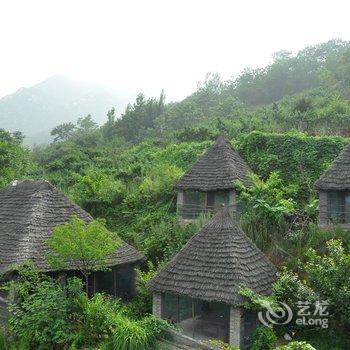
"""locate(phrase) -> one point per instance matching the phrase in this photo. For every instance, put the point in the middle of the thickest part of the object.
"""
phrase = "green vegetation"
(47, 315)
(288, 121)
(85, 245)
(264, 338)
(297, 345)
(14, 159)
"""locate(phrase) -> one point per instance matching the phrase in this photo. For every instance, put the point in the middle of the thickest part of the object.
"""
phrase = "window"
(339, 207)
(222, 198)
(197, 318)
(193, 204)
(347, 208)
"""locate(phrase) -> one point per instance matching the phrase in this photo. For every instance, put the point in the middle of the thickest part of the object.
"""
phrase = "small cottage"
(334, 192)
(198, 289)
(29, 211)
(209, 184)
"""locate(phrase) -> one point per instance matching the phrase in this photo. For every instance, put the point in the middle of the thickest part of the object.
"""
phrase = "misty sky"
(152, 45)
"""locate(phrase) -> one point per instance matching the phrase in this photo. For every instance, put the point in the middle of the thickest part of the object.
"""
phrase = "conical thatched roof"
(217, 169)
(337, 177)
(29, 211)
(214, 263)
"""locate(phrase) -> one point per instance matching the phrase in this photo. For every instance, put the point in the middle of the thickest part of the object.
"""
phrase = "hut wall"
(233, 203)
(334, 209)
(235, 326)
(180, 198)
(157, 305)
(3, 306)
(323, 209)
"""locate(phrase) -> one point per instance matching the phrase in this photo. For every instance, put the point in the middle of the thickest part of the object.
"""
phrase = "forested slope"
(288, 121)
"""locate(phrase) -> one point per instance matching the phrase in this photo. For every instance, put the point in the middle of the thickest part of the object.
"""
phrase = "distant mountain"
(37, 109)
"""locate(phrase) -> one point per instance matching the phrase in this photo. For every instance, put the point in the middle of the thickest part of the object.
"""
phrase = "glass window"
(347, 208)
(336, 206)
(104, 282)
(125, 281)
(222, 198)
(193, 204)
(196, 318)
(170, 307)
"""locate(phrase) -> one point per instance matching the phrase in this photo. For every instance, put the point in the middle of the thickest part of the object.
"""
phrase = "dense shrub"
(264, 338)
(297, 345)
(141, 304)
(135, 335)
(47, 315)
(299, 159)
(40, 314)
(329, 276)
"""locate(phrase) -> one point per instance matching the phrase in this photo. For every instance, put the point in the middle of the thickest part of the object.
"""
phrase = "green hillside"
(288, 120)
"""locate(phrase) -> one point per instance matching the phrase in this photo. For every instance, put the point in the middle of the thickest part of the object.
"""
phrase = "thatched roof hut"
(211, 267)
(29, 211)
(210, 181)
(214, 263)
(334, 192)
(217, 169)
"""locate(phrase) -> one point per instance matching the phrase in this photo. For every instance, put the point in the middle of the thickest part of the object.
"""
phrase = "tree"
(15, 160)
(109, 129)
(63, 131)
(138, 121)
(329, 275)
(86, 123)
(86, 246)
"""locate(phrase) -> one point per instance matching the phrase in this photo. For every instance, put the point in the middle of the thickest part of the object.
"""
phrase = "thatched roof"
(214, 263)
(337, 177)
(217, 169)
(29, 211)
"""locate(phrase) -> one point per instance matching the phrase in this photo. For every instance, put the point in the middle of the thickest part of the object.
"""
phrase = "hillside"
(36, 110)
(289, 125)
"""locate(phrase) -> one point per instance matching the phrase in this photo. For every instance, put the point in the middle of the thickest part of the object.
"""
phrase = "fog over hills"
(37, 109)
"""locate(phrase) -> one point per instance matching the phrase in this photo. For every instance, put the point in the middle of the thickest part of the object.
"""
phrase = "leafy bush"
(297, 345)
(48, 315)
(96, 319)
(329, 276)
(40, 314)
(264, 338)
(220, 345)
(135, 335)
(267, 206)
(141, 304)
(299, 159)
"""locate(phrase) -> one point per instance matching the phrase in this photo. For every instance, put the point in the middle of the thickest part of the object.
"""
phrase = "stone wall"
(233, 203)
(323, 209)
(157, 305)
(236, 333)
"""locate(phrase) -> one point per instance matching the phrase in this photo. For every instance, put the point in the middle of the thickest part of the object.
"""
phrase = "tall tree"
(63, 131)
(86, 246)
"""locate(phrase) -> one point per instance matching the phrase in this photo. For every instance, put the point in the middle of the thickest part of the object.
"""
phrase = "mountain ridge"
(36, 110)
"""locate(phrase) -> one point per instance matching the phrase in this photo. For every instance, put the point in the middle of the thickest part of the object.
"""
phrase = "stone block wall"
(323, 209)
(236, 326)
(157, 305)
